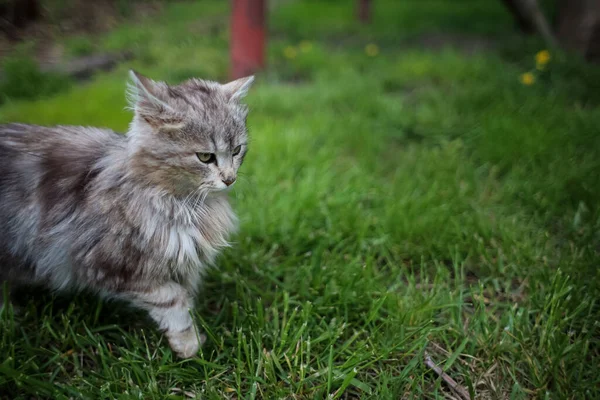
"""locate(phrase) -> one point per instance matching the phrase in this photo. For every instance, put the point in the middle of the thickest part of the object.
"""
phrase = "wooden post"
(248, 36)
(364, 11)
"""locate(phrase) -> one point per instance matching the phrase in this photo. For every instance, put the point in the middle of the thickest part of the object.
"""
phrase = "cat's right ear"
(237, 90)
(145, 96)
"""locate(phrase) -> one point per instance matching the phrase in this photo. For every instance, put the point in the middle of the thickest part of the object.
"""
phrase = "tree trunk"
(528, 13)
(523, 21)
(578, 27)
(15, 14)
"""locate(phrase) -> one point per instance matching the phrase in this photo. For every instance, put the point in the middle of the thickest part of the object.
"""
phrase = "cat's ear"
(145, 96)
(236, 90)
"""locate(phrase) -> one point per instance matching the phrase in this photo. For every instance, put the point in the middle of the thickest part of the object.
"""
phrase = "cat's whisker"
(184, 206)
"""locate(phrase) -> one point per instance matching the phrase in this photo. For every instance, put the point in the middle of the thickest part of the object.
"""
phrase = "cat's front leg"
(169, 305)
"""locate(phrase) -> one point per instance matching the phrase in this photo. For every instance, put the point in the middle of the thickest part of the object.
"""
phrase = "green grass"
(416, 201)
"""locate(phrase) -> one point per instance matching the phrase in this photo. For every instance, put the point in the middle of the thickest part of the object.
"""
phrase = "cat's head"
(189, 138)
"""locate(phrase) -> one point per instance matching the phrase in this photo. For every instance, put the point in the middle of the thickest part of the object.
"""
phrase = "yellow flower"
(542, 57)
(527, 79)
(372, 49)
(290, 52)
(305, 46)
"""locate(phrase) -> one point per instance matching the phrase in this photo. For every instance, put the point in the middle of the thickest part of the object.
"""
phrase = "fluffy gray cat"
(134, 217)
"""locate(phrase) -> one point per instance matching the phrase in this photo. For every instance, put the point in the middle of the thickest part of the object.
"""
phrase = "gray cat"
(134, 217)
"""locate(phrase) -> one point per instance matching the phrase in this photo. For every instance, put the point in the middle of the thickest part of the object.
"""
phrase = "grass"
(421, 200)
(23, 79)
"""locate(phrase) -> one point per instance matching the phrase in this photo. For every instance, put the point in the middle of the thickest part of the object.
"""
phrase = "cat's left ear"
(237, 90)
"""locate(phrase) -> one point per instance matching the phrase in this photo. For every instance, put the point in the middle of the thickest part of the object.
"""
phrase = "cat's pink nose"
(229, 181)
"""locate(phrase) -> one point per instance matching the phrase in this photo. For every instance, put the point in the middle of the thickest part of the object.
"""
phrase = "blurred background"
(423, 187)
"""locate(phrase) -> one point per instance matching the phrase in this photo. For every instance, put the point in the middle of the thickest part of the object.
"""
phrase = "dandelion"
(372, 49)
(542, 57)
(290, 52)
(527, 79)
(305, 46)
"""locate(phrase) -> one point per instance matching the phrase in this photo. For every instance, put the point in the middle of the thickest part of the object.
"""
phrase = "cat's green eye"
(206, 157)
(237, 150)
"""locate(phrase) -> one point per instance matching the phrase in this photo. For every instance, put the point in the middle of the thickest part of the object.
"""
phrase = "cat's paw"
(187, 343)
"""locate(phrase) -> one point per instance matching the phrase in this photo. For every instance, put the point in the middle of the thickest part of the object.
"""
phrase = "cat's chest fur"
(198, 233)
(183, 238)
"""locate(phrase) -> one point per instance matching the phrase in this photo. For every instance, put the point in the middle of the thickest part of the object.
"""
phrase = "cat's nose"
(228, 181)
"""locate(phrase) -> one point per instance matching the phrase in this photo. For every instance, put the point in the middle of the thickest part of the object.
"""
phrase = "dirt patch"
(84, 67)
(42, 36)
(467, 44)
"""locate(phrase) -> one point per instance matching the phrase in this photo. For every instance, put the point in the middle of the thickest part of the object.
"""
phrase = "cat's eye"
(237, 150)
(206, 157)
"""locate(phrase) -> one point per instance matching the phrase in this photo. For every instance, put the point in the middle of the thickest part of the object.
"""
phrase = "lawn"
(403, 196)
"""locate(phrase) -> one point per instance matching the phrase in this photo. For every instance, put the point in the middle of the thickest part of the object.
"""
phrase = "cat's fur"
(134, 217)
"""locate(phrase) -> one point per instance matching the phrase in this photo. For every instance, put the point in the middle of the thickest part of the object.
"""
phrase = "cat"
(135, 217)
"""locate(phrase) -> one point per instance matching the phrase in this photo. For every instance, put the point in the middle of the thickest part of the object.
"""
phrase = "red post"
(248, 35)
(364, 11)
